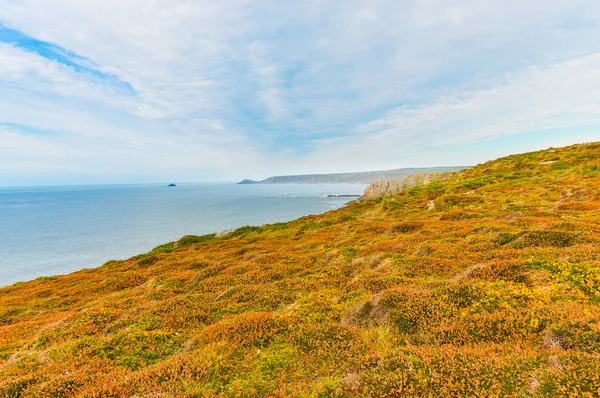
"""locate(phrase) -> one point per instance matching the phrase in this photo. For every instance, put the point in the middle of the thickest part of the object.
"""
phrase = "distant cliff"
(390, 187)
(366, 177)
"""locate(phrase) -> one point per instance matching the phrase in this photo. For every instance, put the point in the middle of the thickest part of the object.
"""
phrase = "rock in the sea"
(171, 185)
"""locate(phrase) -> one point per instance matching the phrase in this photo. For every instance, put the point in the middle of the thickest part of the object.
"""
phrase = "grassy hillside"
(485, 284)
(366, 177)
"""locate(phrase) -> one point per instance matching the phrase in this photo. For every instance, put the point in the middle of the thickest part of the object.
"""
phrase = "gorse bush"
(511, 271)
(449, 201)
(484, 284)
(550, 238)
(583, 277)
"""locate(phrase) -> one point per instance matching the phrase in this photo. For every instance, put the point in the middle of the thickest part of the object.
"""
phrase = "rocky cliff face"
(383, 188)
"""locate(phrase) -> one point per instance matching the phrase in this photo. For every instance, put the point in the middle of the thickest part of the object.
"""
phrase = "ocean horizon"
(53, 230)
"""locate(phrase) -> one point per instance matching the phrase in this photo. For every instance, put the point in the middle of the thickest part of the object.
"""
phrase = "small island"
(171, 185)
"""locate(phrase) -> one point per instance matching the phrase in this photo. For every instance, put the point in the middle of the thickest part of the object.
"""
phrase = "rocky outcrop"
(384, 188)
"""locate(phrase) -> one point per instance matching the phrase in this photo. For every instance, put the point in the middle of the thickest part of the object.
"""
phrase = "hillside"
(366, 177)
(483, 284)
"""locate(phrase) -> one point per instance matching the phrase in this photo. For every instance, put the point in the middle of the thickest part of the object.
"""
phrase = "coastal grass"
(484, 284)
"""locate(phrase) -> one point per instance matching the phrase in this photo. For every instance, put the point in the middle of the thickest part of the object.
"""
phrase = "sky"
(113, 91)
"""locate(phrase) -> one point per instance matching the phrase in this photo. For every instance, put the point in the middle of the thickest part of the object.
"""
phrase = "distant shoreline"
(367, 177)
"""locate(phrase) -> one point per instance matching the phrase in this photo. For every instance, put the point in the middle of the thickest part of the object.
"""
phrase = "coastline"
(120, 222)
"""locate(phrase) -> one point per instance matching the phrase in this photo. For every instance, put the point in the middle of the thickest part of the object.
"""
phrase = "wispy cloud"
(229, 89)
(55, 53)
(561, 95)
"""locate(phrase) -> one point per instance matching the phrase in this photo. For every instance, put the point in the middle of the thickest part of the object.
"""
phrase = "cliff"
(391, 187)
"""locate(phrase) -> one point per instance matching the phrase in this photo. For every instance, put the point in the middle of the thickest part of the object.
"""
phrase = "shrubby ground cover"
(485, 284)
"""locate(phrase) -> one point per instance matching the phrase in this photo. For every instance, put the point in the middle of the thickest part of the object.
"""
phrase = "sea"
(48, 231)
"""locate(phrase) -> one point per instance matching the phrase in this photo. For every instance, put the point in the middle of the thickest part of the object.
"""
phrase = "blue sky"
(107, 91)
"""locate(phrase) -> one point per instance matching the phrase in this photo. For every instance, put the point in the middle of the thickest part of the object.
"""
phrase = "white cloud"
(33, 73)
(560, 96)
(224, 86)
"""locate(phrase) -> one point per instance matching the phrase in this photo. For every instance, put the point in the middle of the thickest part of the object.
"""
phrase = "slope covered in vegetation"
(484, 284)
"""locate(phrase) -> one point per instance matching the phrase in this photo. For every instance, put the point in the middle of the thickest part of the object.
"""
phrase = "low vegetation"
(484, 284)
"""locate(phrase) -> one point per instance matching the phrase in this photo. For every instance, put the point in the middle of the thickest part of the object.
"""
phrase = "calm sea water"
(56, 230)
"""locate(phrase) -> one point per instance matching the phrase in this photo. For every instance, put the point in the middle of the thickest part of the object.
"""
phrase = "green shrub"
(134, 349)
(463, 295)
(510, 271)
(449, 201)
(413, 310)
(243, 231)
(583, 277)
(407, 227)
(549, 238)
(191, 239)
(147, 261)
(506, 238)
(579, 335)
